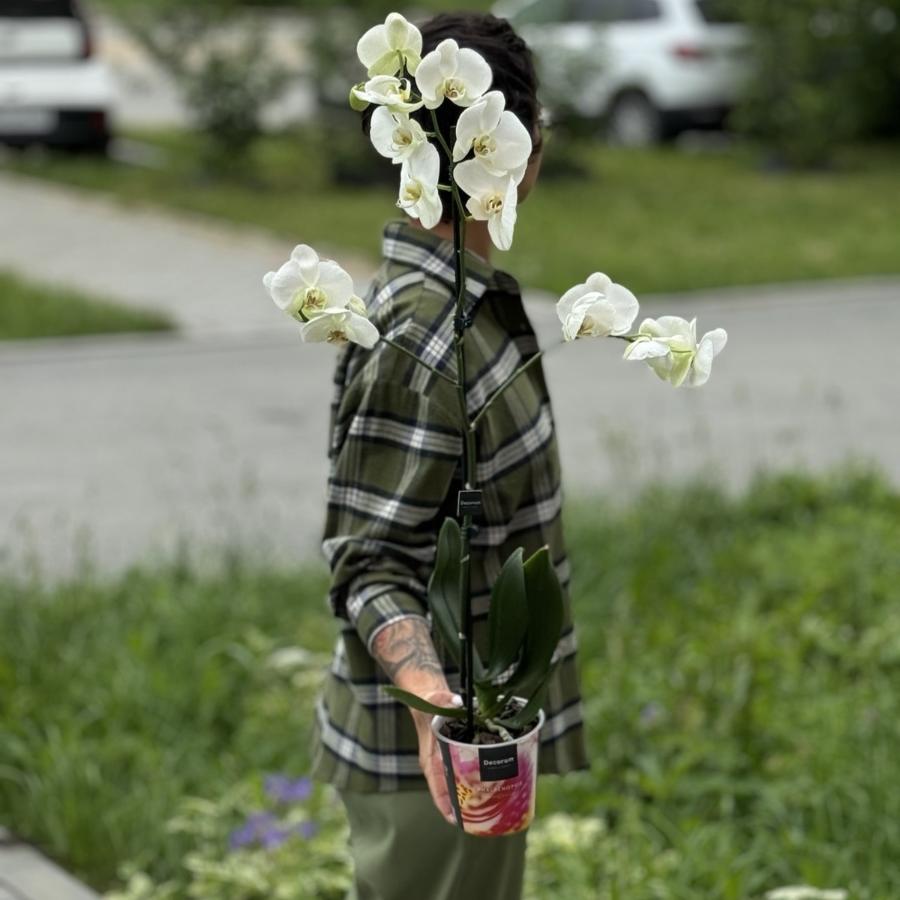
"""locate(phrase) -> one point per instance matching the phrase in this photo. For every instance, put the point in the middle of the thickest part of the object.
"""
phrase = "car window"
(719, 10)
(542, 12)
(38, 9)
(614, 10)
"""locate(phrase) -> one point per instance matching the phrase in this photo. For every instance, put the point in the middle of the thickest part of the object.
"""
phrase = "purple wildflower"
(255, 825)
(287, 790)
(307, 829)
(274, 837)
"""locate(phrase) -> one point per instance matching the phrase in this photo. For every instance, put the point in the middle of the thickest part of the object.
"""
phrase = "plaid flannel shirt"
(395, 467)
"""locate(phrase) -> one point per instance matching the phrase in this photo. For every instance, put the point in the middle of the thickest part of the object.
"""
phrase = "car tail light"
(691, 51)
(87, 46)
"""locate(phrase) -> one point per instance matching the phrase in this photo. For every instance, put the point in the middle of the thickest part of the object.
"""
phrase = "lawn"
(739, 659)
(30, 310)
(656, 220)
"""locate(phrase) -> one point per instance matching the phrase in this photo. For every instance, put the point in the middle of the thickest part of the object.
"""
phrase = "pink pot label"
(493, 786)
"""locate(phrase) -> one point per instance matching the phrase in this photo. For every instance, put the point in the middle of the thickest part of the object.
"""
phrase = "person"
(395, 469)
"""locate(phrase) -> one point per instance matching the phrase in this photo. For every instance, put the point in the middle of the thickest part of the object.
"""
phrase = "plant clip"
(461, 323)
(468, 502)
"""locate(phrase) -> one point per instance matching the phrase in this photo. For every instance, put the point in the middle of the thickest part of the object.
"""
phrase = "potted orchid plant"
(490, 744)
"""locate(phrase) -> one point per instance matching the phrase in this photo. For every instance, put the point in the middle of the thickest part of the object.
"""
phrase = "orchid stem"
(496, 395)
(421, 362)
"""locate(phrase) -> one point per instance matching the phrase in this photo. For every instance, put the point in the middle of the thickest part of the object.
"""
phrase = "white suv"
(52, 88)
(648, 68)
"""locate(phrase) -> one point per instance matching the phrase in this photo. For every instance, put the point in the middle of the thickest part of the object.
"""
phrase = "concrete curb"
(26, 874)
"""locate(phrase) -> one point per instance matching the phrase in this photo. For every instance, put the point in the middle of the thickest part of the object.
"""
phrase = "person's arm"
(405, 652)
(397, 453)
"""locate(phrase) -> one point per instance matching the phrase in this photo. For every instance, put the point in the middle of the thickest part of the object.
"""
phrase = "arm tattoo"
(406, 646)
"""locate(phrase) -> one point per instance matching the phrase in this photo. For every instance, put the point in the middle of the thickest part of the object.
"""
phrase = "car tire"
(634, 121)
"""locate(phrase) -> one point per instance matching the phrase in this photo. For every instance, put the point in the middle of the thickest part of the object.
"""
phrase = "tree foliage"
(217, 53)
(827, 72)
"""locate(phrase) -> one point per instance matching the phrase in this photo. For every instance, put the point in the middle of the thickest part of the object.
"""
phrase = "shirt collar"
(420, 249)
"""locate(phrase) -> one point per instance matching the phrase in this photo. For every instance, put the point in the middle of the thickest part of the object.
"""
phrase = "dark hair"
(510, 59)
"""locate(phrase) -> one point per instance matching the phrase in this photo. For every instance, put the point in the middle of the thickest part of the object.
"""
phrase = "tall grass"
(740, 661)
(32, 310)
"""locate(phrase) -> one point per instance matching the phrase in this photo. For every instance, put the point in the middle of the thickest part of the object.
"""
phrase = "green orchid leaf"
(530, 710)
(490, 701)
(451, 712)
(443, 587)
(545, 621)
(444, 594)
(507, 617)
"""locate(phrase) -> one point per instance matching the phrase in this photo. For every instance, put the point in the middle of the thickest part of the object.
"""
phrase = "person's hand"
(430, 754)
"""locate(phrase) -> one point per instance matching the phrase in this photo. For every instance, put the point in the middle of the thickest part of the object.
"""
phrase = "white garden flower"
(460, 75)
(419, 195)
(492, 198)
(669, 345)
(387, 90)
(340, 326)
(597, 308)
(305, 285)
(804, 892)
(385, 49)
(501, 142)
(395, 135)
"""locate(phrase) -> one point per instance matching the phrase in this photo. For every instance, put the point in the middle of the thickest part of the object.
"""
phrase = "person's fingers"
(430, 759)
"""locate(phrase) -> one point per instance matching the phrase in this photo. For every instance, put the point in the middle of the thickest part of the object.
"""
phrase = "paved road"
(205, 275)
(116, 449)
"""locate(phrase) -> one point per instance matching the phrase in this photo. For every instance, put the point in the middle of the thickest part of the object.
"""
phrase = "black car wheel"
(634, 121)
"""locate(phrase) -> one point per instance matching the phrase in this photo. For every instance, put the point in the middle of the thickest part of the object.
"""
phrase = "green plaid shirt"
(395, 468)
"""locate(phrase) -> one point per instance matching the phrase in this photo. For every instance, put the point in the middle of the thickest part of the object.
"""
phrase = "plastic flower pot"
(492, 786)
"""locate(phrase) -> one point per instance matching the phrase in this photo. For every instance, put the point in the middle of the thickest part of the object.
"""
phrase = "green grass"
(739, 658)
(29, 310)
(656, 220)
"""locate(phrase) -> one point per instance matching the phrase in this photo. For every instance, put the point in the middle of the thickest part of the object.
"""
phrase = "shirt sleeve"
(395, 456)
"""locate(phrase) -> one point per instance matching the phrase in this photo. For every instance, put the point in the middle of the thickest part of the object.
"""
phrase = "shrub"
(826, 72)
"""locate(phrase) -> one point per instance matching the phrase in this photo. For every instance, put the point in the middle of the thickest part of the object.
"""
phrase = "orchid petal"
(429, 78)
(566, 303)
(381, 131)
(335, 283)
(308, 262)
(625, 308)
(645, 348)
(284, 284)
(472, 178)
(472, 69)
(502, 226)
(514, 145)
(372, 46)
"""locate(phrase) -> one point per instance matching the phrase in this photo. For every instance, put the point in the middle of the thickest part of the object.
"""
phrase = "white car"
(647, 68)
(53, 90)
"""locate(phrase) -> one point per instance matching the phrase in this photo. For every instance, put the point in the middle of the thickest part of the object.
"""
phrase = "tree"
(217, 53)
(827, 72)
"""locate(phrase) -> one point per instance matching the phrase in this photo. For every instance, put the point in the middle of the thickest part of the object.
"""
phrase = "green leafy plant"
(524, 625)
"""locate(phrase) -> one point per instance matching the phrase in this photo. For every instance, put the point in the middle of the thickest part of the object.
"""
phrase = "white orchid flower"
(501, 142)
(669, 345)
(492, 198)
(419, 195)
(387, 90)
(340, 326)
(305, 286)
(395, 135)
(386, 49)
(597, 308)
(460, 75)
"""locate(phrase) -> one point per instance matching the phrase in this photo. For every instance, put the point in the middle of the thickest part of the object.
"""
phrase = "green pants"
(403, 850)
